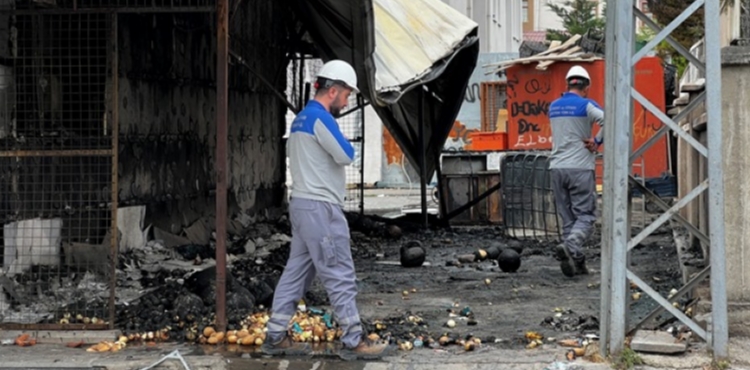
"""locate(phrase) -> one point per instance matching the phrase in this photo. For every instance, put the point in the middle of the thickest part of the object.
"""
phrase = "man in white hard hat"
(572, 164)
(318, 155)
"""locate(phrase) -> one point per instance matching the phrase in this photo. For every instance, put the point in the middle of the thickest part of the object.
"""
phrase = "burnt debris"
(412, 254)
(509, 260)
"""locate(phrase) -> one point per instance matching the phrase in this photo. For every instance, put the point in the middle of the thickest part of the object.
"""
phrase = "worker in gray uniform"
(572, 164)
(318, 154)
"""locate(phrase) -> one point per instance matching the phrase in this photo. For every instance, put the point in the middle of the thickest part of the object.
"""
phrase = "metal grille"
(352, 125)
(300, 78)
(56, 172)
(95, 4)
(493, 99)
(529, 209)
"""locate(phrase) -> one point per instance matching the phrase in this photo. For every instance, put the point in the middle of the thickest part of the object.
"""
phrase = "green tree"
(578, 17)
(687, 34)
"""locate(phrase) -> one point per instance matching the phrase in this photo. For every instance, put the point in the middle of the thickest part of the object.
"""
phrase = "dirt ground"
(537, 297)
(497, 307)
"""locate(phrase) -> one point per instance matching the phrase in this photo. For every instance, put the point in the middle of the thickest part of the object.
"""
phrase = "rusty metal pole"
(222, 97)
(115, 134)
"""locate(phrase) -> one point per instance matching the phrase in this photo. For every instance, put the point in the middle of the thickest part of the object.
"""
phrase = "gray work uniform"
(573, 167)
(318, 154)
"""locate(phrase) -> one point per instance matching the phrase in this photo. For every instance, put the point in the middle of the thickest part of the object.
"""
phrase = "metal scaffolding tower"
(621, 59)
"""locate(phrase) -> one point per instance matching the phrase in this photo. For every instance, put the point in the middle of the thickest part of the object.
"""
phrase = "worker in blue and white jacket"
(573, 164)
(318, 155)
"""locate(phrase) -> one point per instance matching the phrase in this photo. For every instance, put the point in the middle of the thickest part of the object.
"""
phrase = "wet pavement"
(228, 357)
(138, 357)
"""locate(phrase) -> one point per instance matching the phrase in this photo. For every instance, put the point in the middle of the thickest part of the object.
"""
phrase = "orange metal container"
(530, 92)
(481, 141)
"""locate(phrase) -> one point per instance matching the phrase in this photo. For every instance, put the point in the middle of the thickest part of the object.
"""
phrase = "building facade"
(500, 26)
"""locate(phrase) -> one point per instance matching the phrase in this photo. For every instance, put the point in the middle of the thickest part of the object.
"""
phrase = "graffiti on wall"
(458, 138)
(473, 94)
(531, 91)
(529, 111)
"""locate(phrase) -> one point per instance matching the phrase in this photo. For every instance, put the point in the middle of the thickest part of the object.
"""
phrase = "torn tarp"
(397, 47)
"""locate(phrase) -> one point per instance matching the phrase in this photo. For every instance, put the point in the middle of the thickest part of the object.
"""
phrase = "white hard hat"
(577, 71)
(339, 70)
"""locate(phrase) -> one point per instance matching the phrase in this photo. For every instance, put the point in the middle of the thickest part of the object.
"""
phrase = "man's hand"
(591, 145)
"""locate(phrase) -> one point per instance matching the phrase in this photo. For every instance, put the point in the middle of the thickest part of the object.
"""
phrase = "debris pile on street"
(448, 289)
(568, 321)
(107, 346)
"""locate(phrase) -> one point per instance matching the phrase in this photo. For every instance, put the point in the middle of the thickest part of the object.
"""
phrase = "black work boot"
(366, 350)
(567, 265)
(286, 347)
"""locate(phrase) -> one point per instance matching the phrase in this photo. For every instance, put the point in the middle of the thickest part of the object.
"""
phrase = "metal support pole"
(616, 168)
(437, 155)
(115, 132)
(606, 253)
(422, 161)
(222, 97)
(361, 103)
(719, 335)
(306, 96)
(621, 59)
(302, 99)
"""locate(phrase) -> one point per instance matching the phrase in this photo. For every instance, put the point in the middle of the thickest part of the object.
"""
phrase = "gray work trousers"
(575, 198)
(320, 244)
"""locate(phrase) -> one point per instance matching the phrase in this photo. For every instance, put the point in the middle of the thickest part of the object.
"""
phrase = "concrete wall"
(167, 100)
(544, 18)
(736, 113)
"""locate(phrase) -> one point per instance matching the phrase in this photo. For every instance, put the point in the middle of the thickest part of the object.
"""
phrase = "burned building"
(75, 72)
(115, 114)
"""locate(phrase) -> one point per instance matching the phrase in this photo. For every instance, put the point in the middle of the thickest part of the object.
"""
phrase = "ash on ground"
(162, 287)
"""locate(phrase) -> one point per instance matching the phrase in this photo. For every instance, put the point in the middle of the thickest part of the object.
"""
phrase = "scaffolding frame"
(616, 234)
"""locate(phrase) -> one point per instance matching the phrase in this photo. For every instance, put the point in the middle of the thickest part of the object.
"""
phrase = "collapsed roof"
(400, 48)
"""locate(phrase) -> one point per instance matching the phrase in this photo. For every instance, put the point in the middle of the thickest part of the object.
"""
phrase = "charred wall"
(167, 110)
(53, 100)
(57, 97)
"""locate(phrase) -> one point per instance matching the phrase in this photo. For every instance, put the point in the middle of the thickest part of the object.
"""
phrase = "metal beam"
(666, 305)
(360, 106)
(616, 237)
(606, 253)
(115, 195)
(676, 45)
(222, 134)
(262, 79)
(668, 214)
(719, 335)
(664, 129)
(692, 283)
(617, 167)
(669, 122)
(667, 30)
(57, 153)
(118, 10)
(665, 207)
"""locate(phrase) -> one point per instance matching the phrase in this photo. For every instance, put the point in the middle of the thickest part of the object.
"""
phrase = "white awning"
(411, 36)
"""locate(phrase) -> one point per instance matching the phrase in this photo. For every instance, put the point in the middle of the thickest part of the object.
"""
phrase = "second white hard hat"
(339, 70)
(577, 71)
